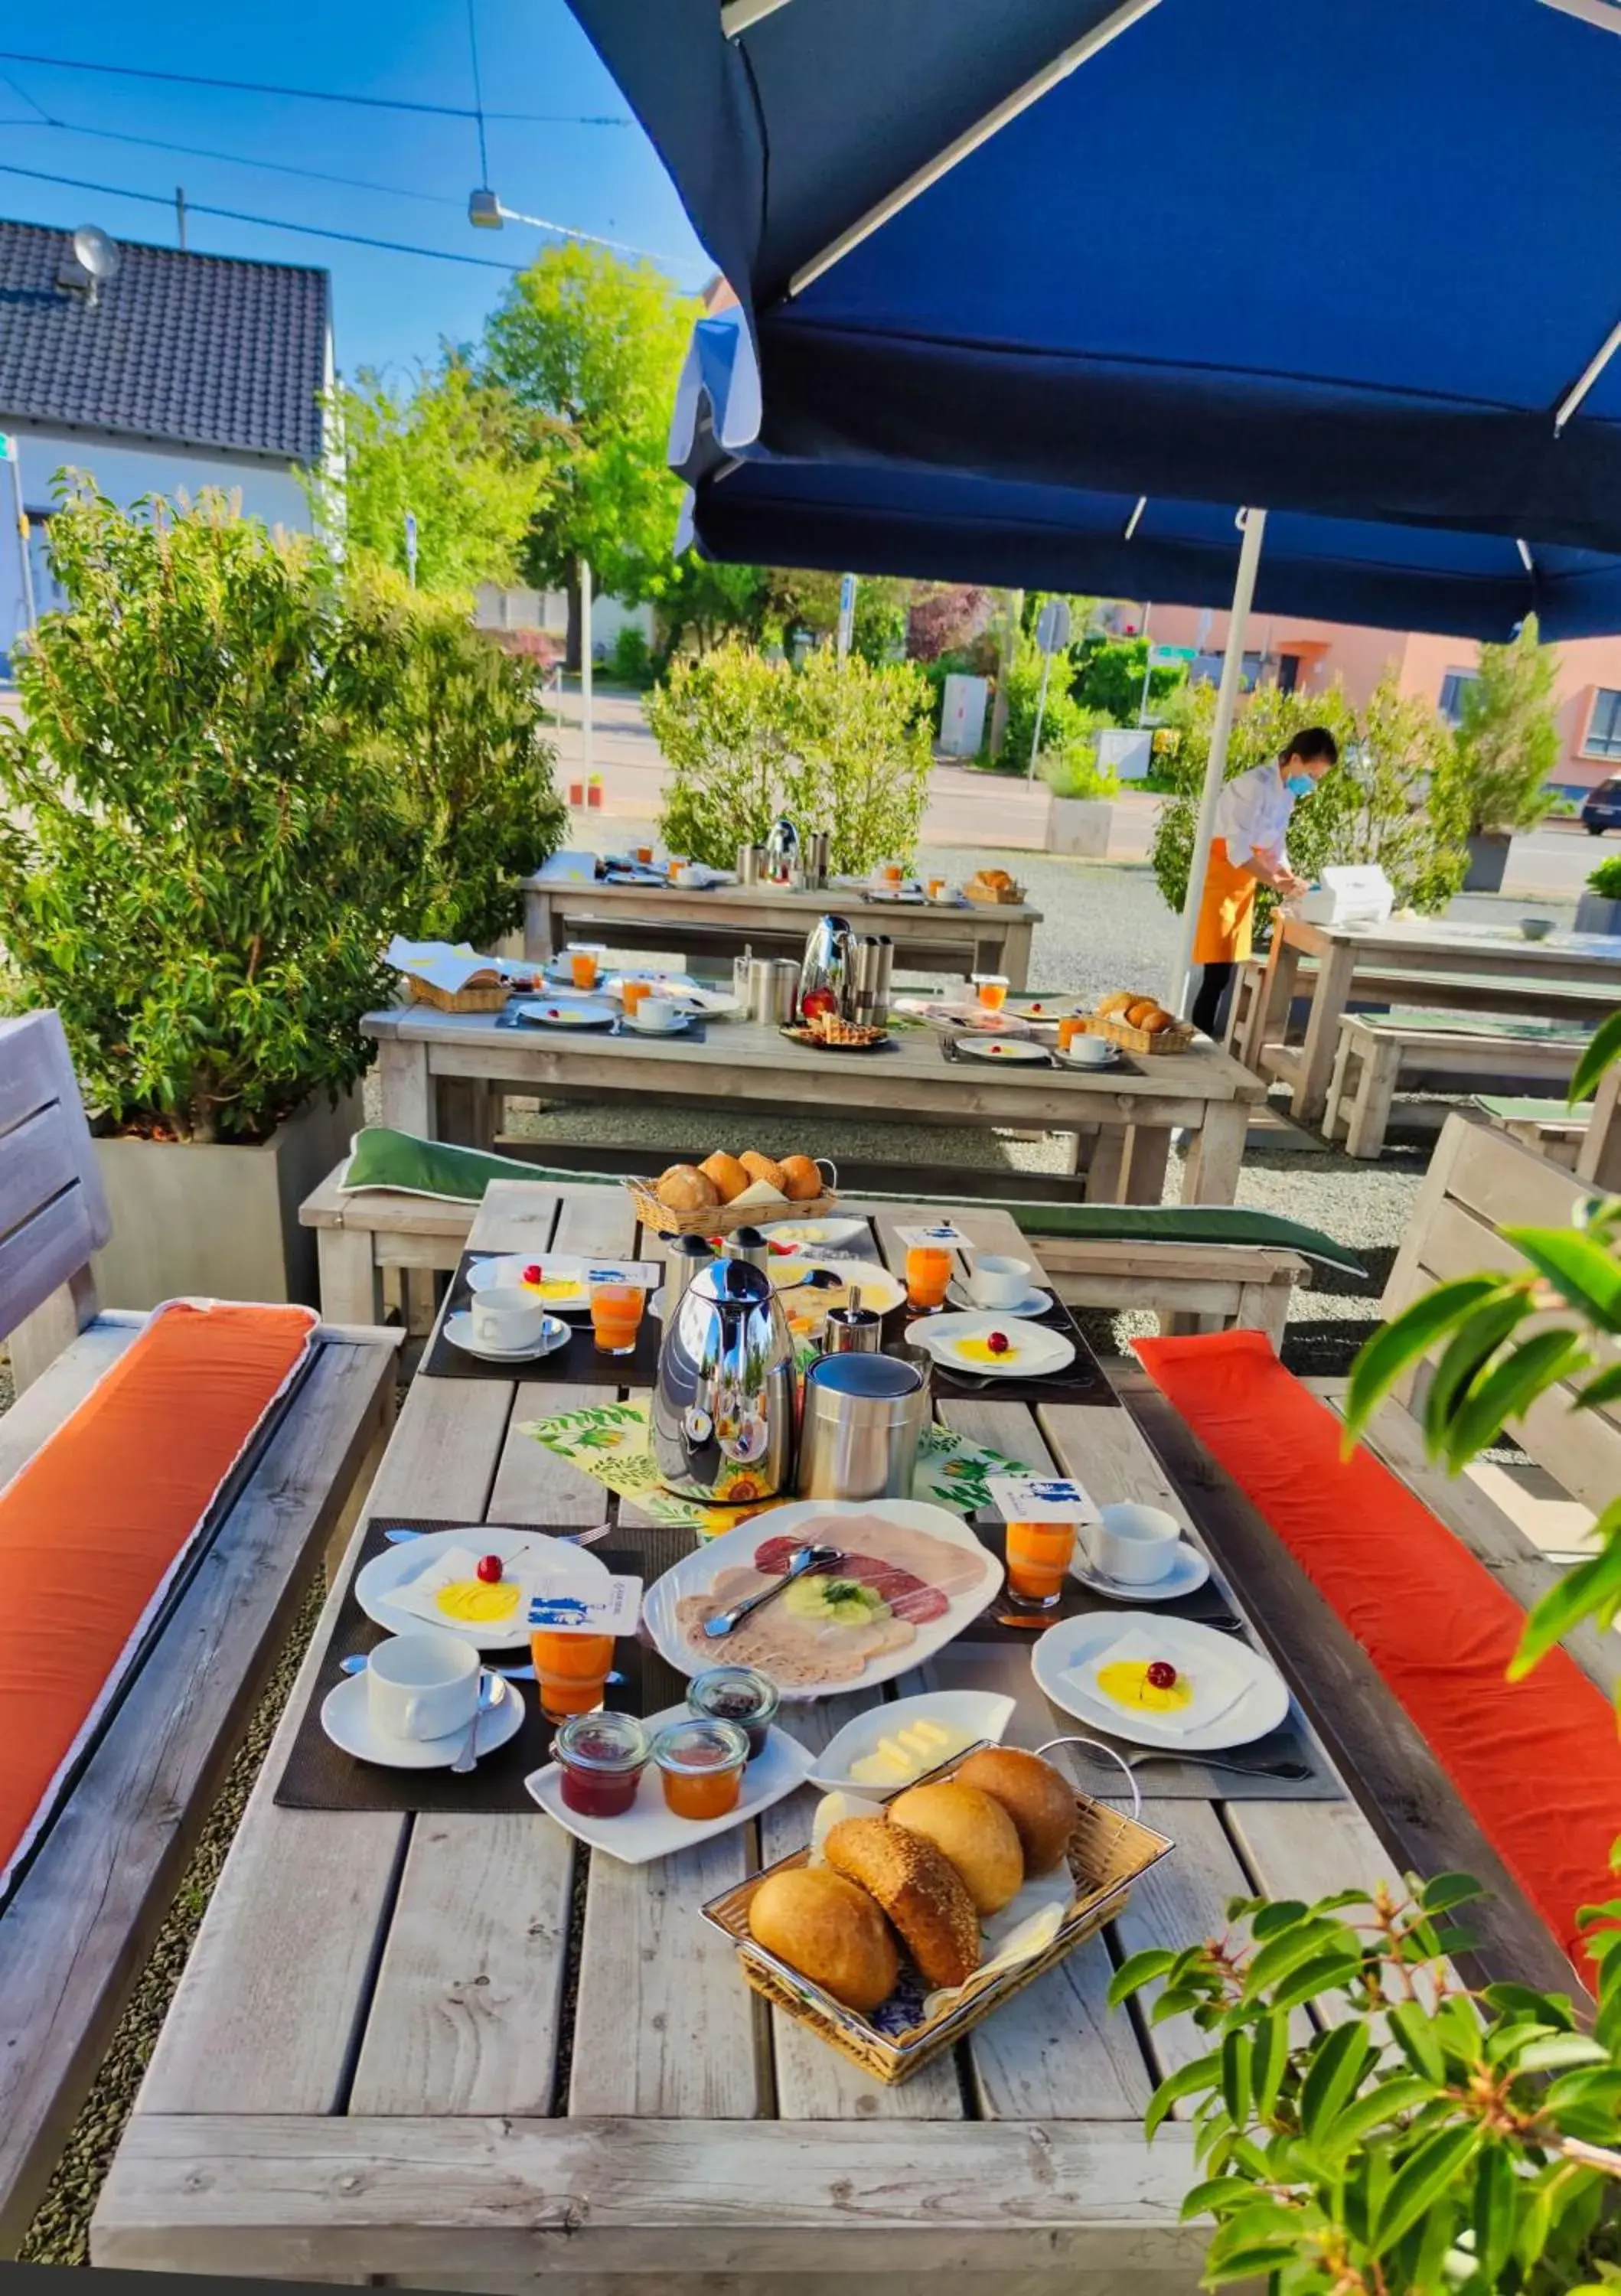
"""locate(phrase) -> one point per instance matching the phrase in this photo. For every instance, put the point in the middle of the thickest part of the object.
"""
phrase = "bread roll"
(1038, 1799)
(1139, 1013)
(1119, 1001)
(921, 1892)
(801, 1179)
(765, 1169)
(728, 1175)
(830, 1931)
(1157, 1023)
(973, 1831)
(683, 1188)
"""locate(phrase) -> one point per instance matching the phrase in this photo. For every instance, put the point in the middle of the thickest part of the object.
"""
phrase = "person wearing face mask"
(1247, 850)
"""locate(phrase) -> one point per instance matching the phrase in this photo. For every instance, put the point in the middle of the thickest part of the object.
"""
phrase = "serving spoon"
(802, 1560)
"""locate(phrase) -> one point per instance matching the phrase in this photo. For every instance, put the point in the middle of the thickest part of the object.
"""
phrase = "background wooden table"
(772, 920)
(437, 1069)
(462, 2053)
(1341, 950)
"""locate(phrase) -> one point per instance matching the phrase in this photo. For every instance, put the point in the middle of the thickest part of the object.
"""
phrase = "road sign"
(1053, 626)
(411, 545)
(1168, 657)
(8, 448)
(846, 613)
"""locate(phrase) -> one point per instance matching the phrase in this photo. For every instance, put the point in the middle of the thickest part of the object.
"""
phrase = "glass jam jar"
(701, 1765)
(601, 1756)
(736, 1694)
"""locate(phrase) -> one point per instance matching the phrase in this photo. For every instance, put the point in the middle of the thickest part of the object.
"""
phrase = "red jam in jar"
(701, 1765)
(601, 1756)
(736, 1694)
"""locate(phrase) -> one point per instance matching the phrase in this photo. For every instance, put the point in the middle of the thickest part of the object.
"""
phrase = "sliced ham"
(908, 1596)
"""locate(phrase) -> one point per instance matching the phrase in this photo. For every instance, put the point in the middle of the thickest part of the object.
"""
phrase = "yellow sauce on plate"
(981, 1351)
(473, 1602)
(1128, 1683)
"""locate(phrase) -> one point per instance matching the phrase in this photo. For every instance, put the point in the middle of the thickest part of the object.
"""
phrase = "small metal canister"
(784, 991)
(862, 1418)
(748, 865)
(762, 988)
(740, 967)
(860, 995)
(685, 1255)
(748, 1245)
(883, 973)
(818, 847)
(852, 1332)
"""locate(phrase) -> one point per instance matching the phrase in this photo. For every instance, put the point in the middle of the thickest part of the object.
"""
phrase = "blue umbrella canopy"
(1350, 260)
(870, 519)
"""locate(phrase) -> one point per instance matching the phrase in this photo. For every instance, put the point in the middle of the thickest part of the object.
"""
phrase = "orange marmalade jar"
(701, 1765)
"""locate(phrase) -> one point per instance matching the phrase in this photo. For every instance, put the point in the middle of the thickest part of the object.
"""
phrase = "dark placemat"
(839, 1051)
(949, 1053)
(694, 1033)
(319, 1776)
(1082, 1382)
(580, 1363)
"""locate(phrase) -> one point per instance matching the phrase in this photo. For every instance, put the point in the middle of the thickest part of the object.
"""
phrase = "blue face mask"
(1299, 784)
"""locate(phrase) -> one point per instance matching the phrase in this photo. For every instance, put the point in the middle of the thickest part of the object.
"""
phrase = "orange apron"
(1226, 912)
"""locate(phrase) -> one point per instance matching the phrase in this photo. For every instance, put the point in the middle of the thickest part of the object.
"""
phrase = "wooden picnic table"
(458, 2051)
(772, 920)
(435, 1072)
(1493, 958)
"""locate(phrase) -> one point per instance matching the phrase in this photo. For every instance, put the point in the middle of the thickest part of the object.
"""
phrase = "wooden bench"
(77, 1926)
(1547, 1125)
(1375, 1059)
(1190, 1286)
(1270, 1042)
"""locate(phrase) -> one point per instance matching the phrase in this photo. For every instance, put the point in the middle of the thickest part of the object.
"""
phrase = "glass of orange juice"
(993, 988)
(1039, 1554)
(582, 967)
(936, 889)
(616, 1313)
(571, 1669)
(1069, 1029)
(632, 992)
(927, 1273)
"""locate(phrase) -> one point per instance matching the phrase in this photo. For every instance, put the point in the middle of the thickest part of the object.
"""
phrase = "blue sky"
(390, 310)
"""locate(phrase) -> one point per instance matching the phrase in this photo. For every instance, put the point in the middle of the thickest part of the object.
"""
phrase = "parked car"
(1603, 809)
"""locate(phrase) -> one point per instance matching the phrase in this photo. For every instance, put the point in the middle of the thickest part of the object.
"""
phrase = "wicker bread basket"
(725, 1219)
(1109, 1851)
(1177, 1038)
(994, 897)
(478, 998)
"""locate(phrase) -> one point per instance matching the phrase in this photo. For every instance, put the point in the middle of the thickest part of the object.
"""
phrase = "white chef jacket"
(1252, 814)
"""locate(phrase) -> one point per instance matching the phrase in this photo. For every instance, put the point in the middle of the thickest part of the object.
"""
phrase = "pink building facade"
(1308, 657)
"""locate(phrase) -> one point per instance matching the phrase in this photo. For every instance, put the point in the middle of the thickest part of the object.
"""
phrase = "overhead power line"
(238, 159)
(315, 94)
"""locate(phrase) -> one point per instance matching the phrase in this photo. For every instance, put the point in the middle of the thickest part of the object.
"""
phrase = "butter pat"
(905, 1754)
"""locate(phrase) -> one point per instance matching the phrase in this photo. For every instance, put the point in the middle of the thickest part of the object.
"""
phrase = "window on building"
(49, 596)
(1454, 686)
(1604, 726)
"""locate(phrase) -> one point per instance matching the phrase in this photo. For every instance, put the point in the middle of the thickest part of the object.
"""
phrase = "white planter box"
(215, 1221)
(1080, 825)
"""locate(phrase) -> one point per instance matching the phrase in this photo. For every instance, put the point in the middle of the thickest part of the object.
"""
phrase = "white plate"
(697, 1572)
(1044, 1010)
(978, 1713)
(880, 1291)
(1262, 1706)
(1035, 1351)
(459, 1332)
(579, 1570)
(678, 1027)
(346, 1717)
(815, 1234)
(1001, 1048)
(1186, 1576)
(1034, 1303)
(648, 1830)
(508, 1267)
(577, 1012)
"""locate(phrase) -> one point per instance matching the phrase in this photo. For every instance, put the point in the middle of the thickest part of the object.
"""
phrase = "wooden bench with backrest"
(1377, 989)
(101, 1860)
(1375, 1060)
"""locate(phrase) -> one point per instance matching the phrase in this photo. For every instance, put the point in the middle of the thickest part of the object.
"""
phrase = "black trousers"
(1213, 982)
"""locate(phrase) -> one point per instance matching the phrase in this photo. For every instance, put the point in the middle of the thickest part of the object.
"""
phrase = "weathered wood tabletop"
(436, 1069)
(459, 2051)
(774, 919)
(1488, 957)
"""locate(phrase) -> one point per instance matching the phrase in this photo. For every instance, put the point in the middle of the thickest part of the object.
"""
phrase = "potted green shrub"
(1495, 781)
(230, 785)
(1598, 910)
(1083, 795)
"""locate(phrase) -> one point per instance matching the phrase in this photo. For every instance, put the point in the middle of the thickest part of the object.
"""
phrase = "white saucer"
(346, 1717)
(1084, 1068)
(1186, 1575)
(1034, 1303)
(678, 1027)
(459, 1332)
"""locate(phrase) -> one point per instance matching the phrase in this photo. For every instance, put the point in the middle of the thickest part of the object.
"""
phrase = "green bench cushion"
(381, 1158)
(1535, 1111)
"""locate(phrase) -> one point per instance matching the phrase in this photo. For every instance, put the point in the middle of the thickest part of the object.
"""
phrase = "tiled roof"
(199, 350)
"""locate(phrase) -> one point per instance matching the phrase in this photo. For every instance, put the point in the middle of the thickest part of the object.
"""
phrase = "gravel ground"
(1104, 927)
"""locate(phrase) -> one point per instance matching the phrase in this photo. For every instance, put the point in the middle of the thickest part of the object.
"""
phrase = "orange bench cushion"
(1537, 1763)
(94, 1527)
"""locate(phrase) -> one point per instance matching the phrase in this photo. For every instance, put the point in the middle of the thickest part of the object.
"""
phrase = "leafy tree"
(809, 599)
(700, 597)
(1508, 743)
(592, 343)
(1109, 673)
(451, 450)
(945, 618)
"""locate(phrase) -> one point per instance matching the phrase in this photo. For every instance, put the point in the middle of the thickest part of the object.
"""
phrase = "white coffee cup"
(1091, 1052)
(682, 873)
(997, 1281)
(656, 1012)
(506, 1318)
(1134, 1544)
(423, 1685)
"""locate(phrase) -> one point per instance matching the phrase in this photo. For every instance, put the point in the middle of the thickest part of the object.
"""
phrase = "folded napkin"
(440, 964)
(504, 1604)
(1212, 1682)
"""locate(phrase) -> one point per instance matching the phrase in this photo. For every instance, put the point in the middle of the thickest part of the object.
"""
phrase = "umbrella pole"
(1254, 523)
